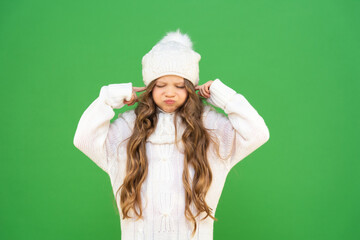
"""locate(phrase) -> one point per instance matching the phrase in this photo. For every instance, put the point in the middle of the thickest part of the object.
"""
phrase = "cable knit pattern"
(165, 129)
(241, 132)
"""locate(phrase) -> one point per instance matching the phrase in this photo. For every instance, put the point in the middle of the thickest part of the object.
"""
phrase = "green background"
(297, 63)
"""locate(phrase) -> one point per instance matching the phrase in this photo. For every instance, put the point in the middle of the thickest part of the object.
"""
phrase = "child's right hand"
(134, 97)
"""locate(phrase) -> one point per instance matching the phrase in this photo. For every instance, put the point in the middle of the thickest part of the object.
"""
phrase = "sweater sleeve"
(243, 130)
(95, 135)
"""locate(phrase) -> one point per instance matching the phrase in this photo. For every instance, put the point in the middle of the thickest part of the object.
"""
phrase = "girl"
(168, 158)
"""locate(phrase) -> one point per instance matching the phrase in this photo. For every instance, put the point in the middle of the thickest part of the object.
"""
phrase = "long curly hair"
(196, 140)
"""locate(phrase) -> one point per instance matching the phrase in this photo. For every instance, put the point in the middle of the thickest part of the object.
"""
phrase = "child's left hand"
(204, 90)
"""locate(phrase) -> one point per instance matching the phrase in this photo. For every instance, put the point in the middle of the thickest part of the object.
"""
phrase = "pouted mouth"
(169, 101)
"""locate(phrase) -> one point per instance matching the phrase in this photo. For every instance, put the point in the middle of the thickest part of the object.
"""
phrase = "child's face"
(169, 92)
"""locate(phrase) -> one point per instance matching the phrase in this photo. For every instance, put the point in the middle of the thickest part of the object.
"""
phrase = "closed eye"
(180, 86)
(163, 86)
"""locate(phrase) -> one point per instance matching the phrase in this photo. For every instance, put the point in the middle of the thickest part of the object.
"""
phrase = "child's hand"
(204, 90)
(134, 97)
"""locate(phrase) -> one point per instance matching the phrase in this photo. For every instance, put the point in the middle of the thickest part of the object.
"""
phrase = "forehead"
(171, 79)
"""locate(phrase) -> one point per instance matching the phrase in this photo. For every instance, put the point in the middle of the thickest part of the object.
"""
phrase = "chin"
(169, 110)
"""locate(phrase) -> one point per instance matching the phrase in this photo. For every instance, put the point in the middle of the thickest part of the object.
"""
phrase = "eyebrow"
(164, 82)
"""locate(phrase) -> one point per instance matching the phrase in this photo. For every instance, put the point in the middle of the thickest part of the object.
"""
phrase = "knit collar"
(162, 111)
(165, 128)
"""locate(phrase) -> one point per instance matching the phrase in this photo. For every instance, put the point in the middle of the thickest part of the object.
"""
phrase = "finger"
(132, 98)
(207, 95)
(204, 91)
(200, 91)
(139, 89)
(197, 87)
(133, 101)
(207, 87)
(207, 92)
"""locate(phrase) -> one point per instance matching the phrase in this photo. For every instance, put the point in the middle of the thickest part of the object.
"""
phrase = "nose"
(169, 92)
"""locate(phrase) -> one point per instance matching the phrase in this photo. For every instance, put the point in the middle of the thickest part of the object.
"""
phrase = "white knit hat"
(172, 55)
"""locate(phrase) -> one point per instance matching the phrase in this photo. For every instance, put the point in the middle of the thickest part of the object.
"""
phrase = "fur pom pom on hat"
(184, 39)
(172, 55)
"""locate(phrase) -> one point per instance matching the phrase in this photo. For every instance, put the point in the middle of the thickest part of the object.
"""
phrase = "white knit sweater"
(163, 197)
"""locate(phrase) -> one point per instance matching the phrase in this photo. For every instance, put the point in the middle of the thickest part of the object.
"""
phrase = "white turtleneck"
(165, 129)
(162, 193)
